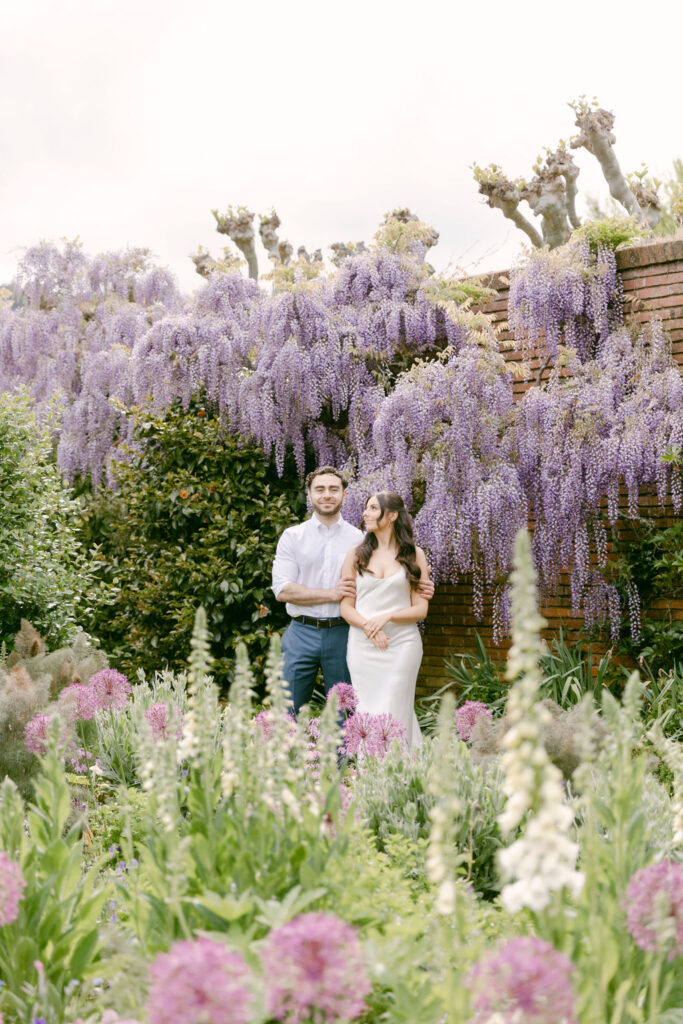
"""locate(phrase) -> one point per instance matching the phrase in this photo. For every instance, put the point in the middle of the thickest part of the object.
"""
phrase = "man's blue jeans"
(307, 648)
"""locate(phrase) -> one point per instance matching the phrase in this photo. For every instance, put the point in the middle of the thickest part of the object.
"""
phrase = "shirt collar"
(319, 525)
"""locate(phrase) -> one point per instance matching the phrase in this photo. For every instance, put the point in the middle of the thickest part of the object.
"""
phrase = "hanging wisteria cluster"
(370, 369)
(569, 296)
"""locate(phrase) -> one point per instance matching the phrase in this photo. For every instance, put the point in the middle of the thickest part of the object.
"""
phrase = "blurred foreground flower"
(467, 715)
(199, 981)
(654, 908)
(12, 887)
(315, 969)
(525, 979)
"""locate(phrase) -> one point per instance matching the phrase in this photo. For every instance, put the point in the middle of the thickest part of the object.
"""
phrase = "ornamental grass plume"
(672, 755)
(12, 887)
(468, 714)
(654, 908)
(543, 859)
(199, 981)
(112, 689)
(524, 980)
(315, 971)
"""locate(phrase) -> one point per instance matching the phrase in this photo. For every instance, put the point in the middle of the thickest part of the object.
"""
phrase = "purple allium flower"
(347, 698)
(360, 734)
(199, 981)
(467, 715)
(12, 887)
(315, 970)
(36, 733)
(78, 702)
(79, 759)
(523, 979)
(372, 735)
(262, 720)
(654, 908)
(157, 716)
(112, 689)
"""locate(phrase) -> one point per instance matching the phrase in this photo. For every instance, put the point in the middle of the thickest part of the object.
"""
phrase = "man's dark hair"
(325, 469)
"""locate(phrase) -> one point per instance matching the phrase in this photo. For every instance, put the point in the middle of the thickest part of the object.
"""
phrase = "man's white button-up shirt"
(313, 554)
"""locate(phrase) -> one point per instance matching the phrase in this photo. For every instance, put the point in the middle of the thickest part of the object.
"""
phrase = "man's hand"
(346, 587)
(425, 588)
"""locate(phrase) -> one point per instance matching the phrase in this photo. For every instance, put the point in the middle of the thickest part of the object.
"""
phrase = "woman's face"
(372, 514)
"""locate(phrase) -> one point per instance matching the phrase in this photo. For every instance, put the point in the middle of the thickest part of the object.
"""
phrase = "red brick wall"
(652, 277)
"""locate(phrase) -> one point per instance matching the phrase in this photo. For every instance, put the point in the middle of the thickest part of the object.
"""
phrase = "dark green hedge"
(195, 521)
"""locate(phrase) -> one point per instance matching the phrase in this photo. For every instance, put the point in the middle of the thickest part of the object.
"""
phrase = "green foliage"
(195, 521)
(568, 672)
(609, 232)
(43, 569)
(473, 676)
(393, 800)
(58, 917)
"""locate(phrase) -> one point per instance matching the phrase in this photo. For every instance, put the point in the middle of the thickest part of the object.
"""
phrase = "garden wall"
(652, 278)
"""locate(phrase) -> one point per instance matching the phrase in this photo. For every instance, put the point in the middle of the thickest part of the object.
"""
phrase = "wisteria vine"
(370, 369)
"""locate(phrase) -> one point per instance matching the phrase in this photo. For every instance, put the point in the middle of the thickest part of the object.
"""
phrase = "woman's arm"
(347, 607)
(417, 610)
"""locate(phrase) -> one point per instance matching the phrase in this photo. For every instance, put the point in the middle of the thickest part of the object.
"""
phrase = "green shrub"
(43, 569)
(195, 521)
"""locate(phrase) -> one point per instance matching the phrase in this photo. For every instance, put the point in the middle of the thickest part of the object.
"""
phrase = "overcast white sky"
(126, 122)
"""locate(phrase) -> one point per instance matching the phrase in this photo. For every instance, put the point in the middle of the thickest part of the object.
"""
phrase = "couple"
(355, 600)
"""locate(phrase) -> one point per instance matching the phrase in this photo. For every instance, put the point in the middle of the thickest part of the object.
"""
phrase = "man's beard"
(330, 510)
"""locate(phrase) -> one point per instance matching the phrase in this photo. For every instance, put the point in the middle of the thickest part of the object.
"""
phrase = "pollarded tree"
(551, 192)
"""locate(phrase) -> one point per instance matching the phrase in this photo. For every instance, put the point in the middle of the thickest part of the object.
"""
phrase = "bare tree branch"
(238, 225)
(503, 194)
(595, 124)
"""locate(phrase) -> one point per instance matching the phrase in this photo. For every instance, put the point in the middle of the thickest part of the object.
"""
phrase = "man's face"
(327, 494)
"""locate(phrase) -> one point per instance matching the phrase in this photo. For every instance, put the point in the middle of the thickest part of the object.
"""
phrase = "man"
(307, 576)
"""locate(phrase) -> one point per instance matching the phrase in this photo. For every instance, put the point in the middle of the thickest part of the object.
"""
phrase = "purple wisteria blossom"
(347, 698)
(158, 715)
(467, 715)
(12, 885)
(111, 689)
(524, 979)
(315, 969)
(654, 908)
(199, 981)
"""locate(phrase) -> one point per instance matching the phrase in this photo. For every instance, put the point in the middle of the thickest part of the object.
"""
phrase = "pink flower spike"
(112, 689)
(199, 981)
(12, 887)
(315, 970)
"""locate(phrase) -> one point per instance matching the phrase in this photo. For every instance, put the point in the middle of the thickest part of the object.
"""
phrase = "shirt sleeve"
(285, 567)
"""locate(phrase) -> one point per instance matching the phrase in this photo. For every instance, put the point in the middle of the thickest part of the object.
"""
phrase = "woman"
(385, 648)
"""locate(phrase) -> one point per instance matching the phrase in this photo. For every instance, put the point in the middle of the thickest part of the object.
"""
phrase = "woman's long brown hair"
(389, 501)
